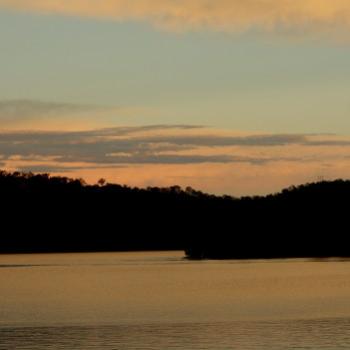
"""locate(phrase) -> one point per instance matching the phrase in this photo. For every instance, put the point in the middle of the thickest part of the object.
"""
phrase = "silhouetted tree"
(101, 182)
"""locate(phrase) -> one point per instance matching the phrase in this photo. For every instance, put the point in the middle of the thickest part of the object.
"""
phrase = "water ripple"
(323, 334)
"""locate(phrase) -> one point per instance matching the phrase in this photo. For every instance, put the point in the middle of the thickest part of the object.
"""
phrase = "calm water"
(161, 301)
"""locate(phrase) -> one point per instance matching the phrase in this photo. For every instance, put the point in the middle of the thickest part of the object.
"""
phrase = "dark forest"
(43, 213)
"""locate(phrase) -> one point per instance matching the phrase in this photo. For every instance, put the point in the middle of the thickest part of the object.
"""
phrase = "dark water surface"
(161, 301)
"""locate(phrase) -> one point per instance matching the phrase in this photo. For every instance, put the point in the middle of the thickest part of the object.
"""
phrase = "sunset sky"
(227, 96)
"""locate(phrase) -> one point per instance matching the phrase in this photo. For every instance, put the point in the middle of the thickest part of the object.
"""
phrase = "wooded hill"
(43, 213)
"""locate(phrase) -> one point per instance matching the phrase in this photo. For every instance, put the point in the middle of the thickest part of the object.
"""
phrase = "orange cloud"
(226, 15)
(164, 155)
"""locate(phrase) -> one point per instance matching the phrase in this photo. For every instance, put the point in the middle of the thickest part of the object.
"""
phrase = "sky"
(236, 97)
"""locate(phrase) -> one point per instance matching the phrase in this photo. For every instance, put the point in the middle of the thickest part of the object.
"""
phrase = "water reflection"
(158, 300)
(302, 334)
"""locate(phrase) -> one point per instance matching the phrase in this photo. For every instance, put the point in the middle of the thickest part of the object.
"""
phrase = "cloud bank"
(223, 15)
(155, 144)
(164, 155)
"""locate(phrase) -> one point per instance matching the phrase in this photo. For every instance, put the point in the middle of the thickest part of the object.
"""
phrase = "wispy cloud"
(28, 109)
(226, 15)
(215, 140)
(104, 146)
(26, 114)
(156, 144)
(329, 143)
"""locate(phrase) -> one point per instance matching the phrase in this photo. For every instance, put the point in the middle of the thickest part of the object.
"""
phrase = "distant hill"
(43, 213)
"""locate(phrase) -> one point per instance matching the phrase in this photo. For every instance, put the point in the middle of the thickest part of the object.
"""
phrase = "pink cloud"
(226, 15)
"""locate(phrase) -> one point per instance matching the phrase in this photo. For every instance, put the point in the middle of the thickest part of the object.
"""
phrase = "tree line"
(43, 213)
